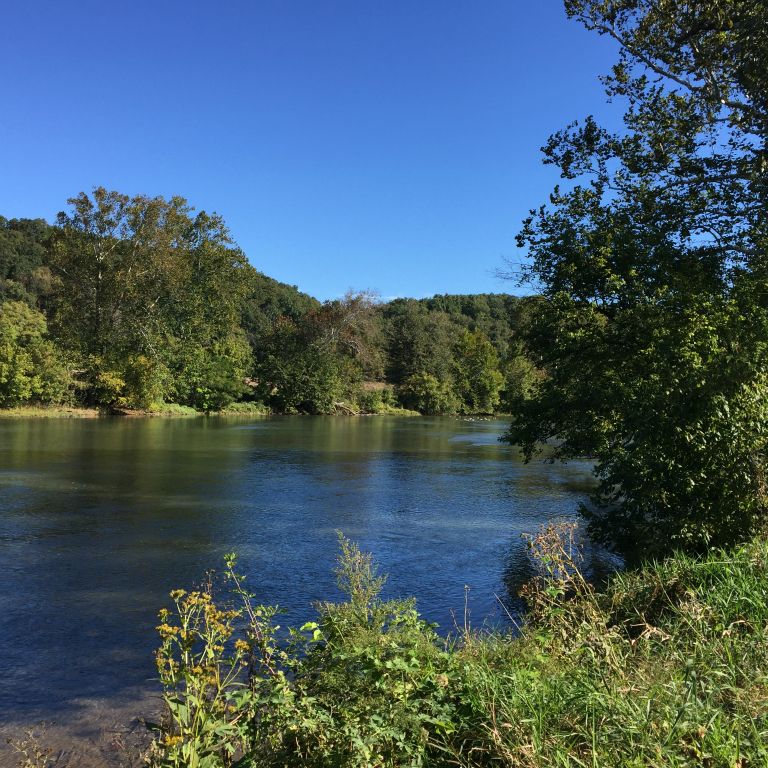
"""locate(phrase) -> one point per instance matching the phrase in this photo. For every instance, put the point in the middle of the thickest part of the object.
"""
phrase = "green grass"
(171, 409)
(668, 666)
(245, 409)
(48, 412)
(394, 410)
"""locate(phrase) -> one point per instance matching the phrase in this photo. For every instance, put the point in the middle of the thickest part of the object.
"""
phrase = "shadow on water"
(595, 563)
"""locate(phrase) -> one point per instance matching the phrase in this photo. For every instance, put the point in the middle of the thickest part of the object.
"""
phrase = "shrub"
(371, 401)
(521, 378)
(109, 388)
(477, 380)
(31, 368)
(146, 381)
(424, 393)
(664, 667)
(56, 384)
(364, 685)
(211, 379)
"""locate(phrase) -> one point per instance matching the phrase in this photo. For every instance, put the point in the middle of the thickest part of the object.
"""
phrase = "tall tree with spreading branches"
(653, 258)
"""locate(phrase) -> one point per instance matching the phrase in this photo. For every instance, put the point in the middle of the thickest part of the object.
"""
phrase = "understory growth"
(666, 666)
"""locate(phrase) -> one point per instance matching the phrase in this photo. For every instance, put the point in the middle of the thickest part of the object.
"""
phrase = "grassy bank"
(244, 409)
(667, 666)
(49, 412)
(81, 412)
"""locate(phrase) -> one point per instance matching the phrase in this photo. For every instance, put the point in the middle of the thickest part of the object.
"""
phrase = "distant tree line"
(142, 302)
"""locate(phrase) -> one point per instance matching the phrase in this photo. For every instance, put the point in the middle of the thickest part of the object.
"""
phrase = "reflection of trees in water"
(107, 516)
(98, 520)
(596, 564)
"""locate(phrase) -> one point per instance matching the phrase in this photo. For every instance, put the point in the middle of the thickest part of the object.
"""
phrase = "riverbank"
(172, 411)
(666, 666)
(80, 412)
(97, 734)
(49, 412)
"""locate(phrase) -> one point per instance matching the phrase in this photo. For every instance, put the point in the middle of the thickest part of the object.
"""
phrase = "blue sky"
(391, 146)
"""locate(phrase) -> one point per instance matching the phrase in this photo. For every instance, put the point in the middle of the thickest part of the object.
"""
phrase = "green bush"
(31, 368)
(521, 379)
(108, 388)
(667, 666)
(56, 384)
(364, 685)
(370, 402)
(477, 381)
(424, 393)
(381, 401)
(389, 397)
(146, 381)
(297, 376)
(209, 379)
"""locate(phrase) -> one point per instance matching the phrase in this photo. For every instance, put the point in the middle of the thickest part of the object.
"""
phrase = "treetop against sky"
(391, 146)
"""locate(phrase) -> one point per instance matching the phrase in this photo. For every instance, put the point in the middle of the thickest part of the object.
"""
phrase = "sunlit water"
(100, 518)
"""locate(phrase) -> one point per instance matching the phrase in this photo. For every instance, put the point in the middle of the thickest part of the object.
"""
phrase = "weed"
(30, 752)
(667, 665)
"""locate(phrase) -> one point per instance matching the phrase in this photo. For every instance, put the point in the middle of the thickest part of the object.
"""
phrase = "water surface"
(100, 518)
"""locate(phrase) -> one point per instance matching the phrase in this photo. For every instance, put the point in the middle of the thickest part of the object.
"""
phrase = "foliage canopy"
(653, 259)
(152, 305)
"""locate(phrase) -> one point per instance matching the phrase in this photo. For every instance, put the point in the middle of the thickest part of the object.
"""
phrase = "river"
(100, 518)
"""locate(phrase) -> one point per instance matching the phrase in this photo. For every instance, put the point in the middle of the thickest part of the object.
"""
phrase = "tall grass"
(667, 666)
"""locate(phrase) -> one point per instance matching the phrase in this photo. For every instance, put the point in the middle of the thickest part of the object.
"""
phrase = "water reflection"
(100, 519)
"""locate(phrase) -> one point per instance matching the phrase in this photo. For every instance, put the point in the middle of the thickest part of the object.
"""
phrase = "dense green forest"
(143, 303)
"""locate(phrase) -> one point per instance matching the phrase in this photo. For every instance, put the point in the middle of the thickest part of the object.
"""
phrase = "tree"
(295, 372)
(492, 313)
(477, 379)
(653, 262)
(349, 326)
(210, 377)
(418, 341)
(310, 363)
(425, 393)
(24, 275)
(22, 246)
(266, 300)
(155, 290)
(30, 366)
(521, 378)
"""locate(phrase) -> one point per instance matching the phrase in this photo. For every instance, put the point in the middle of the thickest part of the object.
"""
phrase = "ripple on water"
(99, 519)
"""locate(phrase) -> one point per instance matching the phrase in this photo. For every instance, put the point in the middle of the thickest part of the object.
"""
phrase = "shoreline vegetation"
(664, 666)
(49, 412)
(142, 304)
(244, 410)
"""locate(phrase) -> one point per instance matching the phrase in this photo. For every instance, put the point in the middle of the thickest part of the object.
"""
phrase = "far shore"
(82, 412)
(49, 412)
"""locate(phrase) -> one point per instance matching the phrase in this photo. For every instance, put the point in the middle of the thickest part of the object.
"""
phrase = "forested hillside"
(144, 303)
